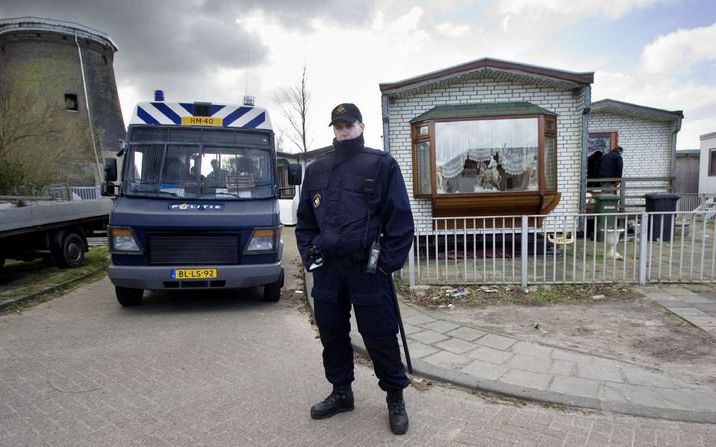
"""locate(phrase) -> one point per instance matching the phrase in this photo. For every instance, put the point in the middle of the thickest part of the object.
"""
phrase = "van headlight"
(122, 239)
(263, 241)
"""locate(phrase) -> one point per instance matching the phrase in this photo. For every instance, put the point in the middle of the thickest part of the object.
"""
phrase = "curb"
(459, 378)
(19, 300)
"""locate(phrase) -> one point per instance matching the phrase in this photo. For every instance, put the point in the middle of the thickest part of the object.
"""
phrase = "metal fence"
(74, 192)
(631, 190)
(694, 201)
(565, 249)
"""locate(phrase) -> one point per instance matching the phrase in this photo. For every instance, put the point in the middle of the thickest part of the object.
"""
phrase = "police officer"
(354, 203)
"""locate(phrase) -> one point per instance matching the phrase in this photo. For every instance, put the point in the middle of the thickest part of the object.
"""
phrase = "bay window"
(486, 159)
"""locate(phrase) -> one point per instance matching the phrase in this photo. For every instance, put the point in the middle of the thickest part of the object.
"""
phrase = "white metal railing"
(565, 249)
(694, 201)
(75, 192)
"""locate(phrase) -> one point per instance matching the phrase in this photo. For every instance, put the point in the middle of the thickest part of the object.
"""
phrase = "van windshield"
(198, 172)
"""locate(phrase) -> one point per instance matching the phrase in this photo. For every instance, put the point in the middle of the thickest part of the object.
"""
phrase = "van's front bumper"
(228, 276)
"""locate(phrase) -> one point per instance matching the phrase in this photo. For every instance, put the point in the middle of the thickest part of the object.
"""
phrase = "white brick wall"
(569, 128)
(707, 183)
(647, 144)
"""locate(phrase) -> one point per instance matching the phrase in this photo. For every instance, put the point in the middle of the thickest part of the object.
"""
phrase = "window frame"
(72, 102)
(542, 130)
(547, 131)
(613, 136)
(712, 159)
(417, 139)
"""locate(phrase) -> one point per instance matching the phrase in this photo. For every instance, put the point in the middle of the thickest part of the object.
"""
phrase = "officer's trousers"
(377, 324)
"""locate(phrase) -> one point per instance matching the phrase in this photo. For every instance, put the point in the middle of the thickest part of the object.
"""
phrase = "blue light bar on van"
(160, 113)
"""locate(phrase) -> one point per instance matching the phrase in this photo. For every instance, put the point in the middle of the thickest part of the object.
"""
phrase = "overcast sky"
(657, 53)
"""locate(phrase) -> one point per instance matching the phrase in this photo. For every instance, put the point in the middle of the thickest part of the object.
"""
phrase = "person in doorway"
(611, 166)
(353, 201)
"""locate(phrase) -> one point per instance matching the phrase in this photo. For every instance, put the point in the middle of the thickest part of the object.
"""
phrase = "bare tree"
(295, 102)
(280, 145)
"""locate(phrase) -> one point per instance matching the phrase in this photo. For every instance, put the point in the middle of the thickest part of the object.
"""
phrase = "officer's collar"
(348, 147)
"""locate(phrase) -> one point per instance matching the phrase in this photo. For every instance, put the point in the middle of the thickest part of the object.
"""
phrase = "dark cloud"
(156, 36)
(173, 42)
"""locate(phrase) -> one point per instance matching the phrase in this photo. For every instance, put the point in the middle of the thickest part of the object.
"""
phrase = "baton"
(400, 325)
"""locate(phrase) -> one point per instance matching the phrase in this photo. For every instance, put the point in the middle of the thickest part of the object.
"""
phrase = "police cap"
(345, 112)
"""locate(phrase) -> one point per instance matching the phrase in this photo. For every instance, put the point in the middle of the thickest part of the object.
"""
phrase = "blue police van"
(197, 206)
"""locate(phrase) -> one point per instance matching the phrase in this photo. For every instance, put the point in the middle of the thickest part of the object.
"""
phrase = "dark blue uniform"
(611, 165)
(349, 198)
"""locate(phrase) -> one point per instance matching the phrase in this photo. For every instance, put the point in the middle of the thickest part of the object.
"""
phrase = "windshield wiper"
(233, 194)
(169, 193)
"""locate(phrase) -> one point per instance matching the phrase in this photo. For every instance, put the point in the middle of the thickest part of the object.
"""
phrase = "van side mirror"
(110, 169)
(110, 175)
(108, 189)
(295, 174)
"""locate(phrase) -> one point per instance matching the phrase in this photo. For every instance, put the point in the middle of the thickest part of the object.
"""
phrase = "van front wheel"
(272, 292)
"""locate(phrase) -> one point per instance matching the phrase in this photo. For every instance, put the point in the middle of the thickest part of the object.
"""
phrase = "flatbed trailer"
(51, 229)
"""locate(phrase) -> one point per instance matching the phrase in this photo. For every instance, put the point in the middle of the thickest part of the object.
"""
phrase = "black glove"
(316, 258)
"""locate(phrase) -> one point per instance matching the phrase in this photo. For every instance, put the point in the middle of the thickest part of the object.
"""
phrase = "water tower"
(58, 77)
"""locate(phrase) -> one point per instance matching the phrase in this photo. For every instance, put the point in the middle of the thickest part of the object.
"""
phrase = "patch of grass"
(24, 278)
(478, 296)
(545, 296)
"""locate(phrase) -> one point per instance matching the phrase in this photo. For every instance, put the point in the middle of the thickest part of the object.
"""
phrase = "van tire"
(128, 297)
(272, 292)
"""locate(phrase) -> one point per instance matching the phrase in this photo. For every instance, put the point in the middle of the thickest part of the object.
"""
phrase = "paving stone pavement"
(203, 369)
(225, 369)
(698, 309)
(474, 358)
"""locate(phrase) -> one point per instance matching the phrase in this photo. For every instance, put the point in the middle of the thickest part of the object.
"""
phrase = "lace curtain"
(513, 141)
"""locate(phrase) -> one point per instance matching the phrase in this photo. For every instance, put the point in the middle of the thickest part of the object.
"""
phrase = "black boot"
(340, 400)
(397, 416)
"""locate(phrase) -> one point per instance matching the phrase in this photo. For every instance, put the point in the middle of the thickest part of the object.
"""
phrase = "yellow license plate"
(181, 274)
(201, 121)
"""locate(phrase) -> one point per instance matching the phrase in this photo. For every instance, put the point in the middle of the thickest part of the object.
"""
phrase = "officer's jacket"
(611, 165)
(348, 198)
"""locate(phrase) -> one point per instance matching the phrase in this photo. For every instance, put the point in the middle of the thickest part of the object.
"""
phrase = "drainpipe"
(587, 98)
(89, 113)
(386, 121)
(672, 161)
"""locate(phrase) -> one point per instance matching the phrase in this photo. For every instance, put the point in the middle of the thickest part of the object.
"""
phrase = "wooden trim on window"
(414, 149)
(613, 137)
(488, 203)
(551, 132)
(494, 203)
(482, 118)
(415, 140)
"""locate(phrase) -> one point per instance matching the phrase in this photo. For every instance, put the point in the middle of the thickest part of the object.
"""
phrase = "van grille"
(192, 249)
